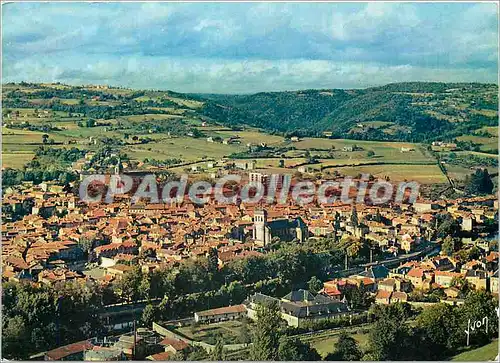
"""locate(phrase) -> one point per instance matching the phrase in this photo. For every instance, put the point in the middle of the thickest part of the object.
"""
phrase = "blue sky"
(249, 47)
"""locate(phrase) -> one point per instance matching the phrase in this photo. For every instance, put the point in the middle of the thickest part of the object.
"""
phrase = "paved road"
(430, 250)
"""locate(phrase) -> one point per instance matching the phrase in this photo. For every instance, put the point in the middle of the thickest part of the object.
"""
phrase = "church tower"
(260, 235)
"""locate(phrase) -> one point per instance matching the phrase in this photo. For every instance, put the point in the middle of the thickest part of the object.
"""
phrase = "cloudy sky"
(249, 47)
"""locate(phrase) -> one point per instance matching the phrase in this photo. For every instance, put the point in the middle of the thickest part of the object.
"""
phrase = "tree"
(45, 137)
(218, 353)
(315, 285)
(346, 349)
(370, 153)
(86, 244)
(213, 261)
(479, 183)
(390, 338)
(478, 305)
(237, 292)
(354, 217)
(293, 349)
(436, 328)
(266, 334)
(461, 284)
(358, 297)
(14, 338)
(447, 226)
(197, 353)
(493, 245)
(244, 333)
(448, 246)
(128, 286)
(149, 315)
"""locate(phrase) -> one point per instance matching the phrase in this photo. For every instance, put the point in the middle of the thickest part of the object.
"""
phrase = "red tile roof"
(62, 352)
(175, 343)
(160, 356)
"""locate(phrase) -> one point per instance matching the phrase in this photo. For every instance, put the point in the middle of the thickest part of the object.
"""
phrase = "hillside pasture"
(486, 143)
(425, 174)
(16, 160)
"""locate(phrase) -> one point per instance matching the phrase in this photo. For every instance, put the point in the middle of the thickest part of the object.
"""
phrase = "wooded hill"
(401, 111)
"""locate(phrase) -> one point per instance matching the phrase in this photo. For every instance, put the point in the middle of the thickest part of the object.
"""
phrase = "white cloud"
(246, 47)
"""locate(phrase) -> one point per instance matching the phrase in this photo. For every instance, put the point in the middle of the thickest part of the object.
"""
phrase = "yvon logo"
(478, 324)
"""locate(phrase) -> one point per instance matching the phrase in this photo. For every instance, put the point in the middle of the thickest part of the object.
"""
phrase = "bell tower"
(259, 229)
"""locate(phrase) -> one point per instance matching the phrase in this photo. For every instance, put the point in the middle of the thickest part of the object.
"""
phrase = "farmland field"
(419, 173)
(486, 143)
(16, 160)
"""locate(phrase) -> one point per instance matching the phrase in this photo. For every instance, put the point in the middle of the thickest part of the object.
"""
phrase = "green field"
(16, 160)
(486, 143)
(482, 354)
(457, 171)
(492, 130)
(419, 173)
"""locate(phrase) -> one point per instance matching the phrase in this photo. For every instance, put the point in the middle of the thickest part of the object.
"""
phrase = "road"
(428, 251)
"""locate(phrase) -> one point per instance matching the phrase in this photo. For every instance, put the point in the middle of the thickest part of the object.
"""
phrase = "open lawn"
(484, 353)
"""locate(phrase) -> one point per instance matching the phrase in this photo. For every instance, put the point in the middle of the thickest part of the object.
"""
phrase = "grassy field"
(186, 148)
(419, 173)
(477, 153)
(457, 172)
(484, 353)
(16, 160)
(382, 150)
(229, 331)
(486, 143)
(492, 130)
